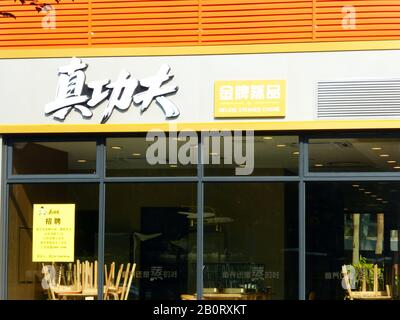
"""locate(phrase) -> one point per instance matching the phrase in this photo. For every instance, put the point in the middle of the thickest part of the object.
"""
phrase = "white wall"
(26, 85)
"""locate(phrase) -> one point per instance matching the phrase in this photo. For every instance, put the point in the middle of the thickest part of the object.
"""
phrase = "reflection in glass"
(54, 157)
(354, 155)
(356, 225)
(267, 155)
(251, 240)
(135, 156)
(152, 225)
(24, 276)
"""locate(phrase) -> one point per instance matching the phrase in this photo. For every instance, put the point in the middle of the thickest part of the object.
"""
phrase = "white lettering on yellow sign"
(250, 98)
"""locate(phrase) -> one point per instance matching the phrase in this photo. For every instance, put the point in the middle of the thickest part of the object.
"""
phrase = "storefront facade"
(216, 162)
(283, 228)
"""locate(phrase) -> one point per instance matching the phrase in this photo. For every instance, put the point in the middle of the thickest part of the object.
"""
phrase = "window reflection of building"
(351, 223)
(249, 250)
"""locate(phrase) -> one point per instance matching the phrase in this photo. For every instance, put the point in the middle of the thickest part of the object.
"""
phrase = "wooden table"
(64, 293)
(76, 295)
(69, 294)
(236, 296)
(370, 295)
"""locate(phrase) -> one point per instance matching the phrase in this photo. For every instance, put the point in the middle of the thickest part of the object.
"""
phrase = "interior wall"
(124, 202)
(24, 276)
(42, 160)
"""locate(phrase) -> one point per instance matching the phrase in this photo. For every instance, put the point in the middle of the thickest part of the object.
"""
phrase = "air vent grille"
(358, 99)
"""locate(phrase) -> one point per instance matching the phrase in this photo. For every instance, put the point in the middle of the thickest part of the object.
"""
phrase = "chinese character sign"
(53, 233)
(248, 99)
(71, 81)
(74, 94)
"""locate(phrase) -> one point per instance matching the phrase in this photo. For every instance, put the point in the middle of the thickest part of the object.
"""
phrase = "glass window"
(152, 225)
(161, 156)
(259, 155)
(354, 155)
(50, 228)
(354, 225)
(64, 157)
(251, 240)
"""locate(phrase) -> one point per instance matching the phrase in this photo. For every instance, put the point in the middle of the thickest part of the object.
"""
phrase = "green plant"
(365, 269)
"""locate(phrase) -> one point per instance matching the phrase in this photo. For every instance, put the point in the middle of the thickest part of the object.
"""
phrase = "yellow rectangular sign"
(53, 233)
(249, 98)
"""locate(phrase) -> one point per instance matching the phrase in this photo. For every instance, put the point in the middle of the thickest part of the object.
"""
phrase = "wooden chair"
(126, 289)
(375, 294)
(89, 277)
(109, 278)
(112, 287)
(128, 278)
(85, 281)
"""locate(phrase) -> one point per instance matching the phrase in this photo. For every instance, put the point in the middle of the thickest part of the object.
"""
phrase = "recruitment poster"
(53, 233)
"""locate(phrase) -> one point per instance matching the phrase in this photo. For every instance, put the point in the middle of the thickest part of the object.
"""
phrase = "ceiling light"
(373, 195)
(173, 166)
(136, 154)
(318, 165)
(379, 199)
(367, 192)
(81, 161)
(384, 155)
(391, 161)
(376, 148)
(116, 147)
(281, 145)
(396, 167)
(361, 189)
(355, 185)
(296, 153)
(267, 138)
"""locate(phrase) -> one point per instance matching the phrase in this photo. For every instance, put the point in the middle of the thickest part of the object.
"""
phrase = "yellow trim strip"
(200, 50)
(317, 125)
